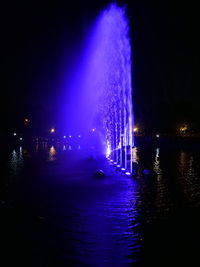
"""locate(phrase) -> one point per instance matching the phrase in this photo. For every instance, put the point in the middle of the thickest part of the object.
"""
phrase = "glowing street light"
(52, 130)
(20, 138)
(157, 135)
(26, 121)
(135, 129)
(70, 136)
(93, 130)
(184, 128)
(14, 134)
(64, 136)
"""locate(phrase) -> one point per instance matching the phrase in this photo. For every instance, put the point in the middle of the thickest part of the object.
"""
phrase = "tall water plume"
(102, 92)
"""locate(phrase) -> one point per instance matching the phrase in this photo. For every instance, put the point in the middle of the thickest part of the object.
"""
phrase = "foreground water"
(54, 212)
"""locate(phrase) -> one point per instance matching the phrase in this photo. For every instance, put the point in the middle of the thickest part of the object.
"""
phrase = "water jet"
(102, 107)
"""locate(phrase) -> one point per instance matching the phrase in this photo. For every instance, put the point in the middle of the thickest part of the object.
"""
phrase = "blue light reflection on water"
(89, 220)
(16, 161)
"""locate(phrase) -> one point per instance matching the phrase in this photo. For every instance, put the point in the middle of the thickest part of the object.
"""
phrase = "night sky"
(40, 41)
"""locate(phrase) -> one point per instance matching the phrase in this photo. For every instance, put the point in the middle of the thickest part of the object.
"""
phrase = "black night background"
(39, 41)
(116, 193)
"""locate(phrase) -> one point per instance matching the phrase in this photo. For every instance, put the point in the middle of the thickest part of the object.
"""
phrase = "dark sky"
(40, 40)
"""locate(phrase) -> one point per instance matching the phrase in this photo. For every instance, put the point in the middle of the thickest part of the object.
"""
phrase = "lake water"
(55, 212)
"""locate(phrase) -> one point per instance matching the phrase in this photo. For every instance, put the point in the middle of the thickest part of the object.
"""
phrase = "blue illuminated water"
(55, 212)
(101, 90)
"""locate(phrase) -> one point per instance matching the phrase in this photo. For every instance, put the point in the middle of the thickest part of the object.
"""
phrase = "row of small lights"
(135, 130)
(52, 130)
(15, 134)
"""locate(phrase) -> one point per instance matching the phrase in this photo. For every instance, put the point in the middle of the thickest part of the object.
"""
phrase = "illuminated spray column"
(117, 107)
(104, 101)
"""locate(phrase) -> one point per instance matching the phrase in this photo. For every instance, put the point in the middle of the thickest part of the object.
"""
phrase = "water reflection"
(16, 162)
(163, 201)
(52, 154)
(135, 155)
(156, 164)
(104, 220)
(188, 177)
(106, 229)
(37, 147)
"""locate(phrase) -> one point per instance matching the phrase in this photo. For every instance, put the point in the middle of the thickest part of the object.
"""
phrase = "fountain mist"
(103, 87)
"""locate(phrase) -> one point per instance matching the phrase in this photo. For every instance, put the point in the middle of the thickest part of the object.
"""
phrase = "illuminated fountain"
(104, 96)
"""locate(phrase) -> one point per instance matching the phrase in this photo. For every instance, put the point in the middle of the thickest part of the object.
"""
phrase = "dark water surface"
(54, 212)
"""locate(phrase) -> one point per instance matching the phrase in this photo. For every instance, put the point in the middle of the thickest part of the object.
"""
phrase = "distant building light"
(79, 136)
(14, 134)
(183, 129)
(64, 136)
(70, 136)
(93, 130)
(52, 130)
(20, 138)
(157, 135)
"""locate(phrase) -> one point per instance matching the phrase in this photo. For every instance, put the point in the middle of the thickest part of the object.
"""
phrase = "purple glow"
(101, 91)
